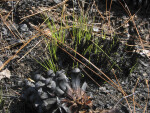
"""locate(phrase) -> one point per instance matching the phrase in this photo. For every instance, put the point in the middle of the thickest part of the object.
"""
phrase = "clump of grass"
(82, 35)
(82, 40)
(80, 31)
(50, 62)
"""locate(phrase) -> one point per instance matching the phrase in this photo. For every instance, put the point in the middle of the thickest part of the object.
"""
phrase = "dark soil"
(132, 66)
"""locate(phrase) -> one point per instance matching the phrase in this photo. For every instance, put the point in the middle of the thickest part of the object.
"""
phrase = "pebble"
(57, 1)
(24, 28)
(4, 31)
(145, 74)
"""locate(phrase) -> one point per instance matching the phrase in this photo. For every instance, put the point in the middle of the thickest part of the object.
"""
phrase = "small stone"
(20, 83)
(123, 83)
(145, 74)
(24, 27)
(96, 29)
(4, 31)
(102, 88)
(27, 34)
(57, 1)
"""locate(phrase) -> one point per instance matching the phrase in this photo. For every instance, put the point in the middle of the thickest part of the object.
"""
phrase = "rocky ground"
(132, 62)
